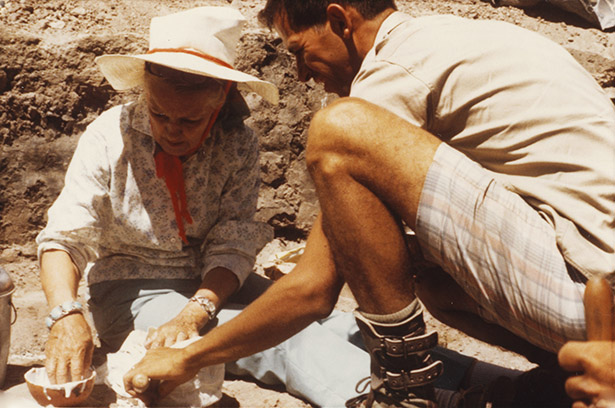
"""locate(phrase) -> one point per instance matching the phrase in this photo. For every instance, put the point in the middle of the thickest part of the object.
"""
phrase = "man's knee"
(339, 116)
(334, 135)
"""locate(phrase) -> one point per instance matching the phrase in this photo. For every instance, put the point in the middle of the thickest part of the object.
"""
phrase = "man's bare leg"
(369, 167)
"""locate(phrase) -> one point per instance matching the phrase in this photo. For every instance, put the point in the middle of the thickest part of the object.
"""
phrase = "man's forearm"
(268, 321)
(308, 293)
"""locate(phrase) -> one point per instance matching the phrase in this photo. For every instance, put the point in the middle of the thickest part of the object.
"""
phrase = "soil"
(50, 89)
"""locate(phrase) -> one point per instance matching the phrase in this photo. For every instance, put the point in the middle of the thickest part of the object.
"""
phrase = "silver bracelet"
(64, 309)
(206, 304)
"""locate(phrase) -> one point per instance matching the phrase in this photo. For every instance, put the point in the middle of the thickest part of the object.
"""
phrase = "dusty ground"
(50, 90)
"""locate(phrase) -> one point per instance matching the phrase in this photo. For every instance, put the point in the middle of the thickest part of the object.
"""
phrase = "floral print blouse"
(115, 217)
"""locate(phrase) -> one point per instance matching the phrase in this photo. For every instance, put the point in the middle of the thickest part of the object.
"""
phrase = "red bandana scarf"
(169, 167)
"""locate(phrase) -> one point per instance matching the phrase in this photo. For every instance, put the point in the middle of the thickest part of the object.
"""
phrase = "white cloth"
(203, 390)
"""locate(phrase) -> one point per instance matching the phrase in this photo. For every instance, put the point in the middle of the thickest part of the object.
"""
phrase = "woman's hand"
(158, 373)
(69, 349)
(217, 286)
(177, 329)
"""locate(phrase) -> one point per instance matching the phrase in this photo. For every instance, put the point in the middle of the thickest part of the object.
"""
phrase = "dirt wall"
(50, 89)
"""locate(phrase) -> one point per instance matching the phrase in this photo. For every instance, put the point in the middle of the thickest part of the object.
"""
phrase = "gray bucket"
(6, 290)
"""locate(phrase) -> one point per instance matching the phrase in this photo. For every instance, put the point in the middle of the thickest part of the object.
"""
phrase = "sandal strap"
(414, 378)
(404, 346)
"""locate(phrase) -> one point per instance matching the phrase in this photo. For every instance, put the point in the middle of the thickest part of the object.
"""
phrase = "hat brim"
(126, 71)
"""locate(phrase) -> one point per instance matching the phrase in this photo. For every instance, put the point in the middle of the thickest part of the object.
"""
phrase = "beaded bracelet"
(64, 309)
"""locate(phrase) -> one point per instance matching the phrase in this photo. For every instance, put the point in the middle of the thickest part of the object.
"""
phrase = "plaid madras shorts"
(500, 250)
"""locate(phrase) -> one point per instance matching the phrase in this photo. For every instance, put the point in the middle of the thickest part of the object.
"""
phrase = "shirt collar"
(140, 118)
(388, 25)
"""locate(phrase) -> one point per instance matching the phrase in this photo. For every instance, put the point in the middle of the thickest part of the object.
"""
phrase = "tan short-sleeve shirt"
(518, 104)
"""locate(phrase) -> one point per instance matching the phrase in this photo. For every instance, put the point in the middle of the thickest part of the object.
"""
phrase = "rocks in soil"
(50, 89)
(50, 93)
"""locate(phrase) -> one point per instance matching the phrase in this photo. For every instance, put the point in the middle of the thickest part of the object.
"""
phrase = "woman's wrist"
(206, 304)
(193, 313)
(62, 310)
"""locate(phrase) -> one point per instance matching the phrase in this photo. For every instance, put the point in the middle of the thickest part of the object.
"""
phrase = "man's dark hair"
(308, 13)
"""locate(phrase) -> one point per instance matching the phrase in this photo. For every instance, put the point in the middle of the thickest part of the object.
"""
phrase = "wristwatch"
(206, 304)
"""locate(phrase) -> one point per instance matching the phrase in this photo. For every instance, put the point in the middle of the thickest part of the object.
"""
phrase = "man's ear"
(339, 20)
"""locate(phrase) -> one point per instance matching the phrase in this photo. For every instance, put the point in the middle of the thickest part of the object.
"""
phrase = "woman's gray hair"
(182, 80)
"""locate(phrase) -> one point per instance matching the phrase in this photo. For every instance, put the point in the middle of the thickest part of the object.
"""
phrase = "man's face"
(320, 54)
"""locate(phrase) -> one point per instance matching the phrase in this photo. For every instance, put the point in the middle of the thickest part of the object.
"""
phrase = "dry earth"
(50, 90)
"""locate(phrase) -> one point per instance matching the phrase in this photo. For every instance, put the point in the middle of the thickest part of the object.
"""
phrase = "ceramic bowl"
(60, 395)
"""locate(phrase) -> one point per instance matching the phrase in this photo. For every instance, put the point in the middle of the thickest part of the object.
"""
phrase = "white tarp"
(598, 12)
(203, 390)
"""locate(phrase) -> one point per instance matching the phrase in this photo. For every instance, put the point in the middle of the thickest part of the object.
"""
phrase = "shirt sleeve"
(236, 238)
(74, 223)
(396, 89)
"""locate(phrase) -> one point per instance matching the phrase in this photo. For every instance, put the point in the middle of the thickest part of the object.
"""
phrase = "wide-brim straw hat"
(200, 41)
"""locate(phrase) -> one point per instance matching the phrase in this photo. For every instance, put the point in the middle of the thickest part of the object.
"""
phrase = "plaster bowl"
(58, 395)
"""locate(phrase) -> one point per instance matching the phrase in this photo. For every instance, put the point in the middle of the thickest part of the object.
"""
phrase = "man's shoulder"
(404, 38)
(445, 41)
(433, 31)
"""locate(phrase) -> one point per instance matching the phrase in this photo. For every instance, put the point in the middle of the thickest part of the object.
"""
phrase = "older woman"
(157, 214)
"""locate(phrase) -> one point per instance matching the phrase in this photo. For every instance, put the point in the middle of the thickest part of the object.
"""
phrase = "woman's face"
(179, 117)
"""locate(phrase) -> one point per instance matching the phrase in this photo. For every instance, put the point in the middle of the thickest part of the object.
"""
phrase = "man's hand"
(69, 350)
(596, 361)
(158, 373)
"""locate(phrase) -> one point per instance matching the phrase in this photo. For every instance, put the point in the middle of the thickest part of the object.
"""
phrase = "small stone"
(79, 11)
(57, 24)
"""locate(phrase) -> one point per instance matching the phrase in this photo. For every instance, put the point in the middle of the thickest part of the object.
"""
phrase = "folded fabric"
(600, 13)
(203, 390)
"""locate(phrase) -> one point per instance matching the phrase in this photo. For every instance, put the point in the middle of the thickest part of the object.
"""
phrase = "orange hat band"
(191, 52)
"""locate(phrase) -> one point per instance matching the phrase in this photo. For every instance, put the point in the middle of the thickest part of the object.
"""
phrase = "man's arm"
(308, 293)
(69, 347)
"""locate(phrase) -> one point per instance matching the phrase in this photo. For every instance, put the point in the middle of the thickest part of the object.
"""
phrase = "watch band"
(206, 304)
(62, 310)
